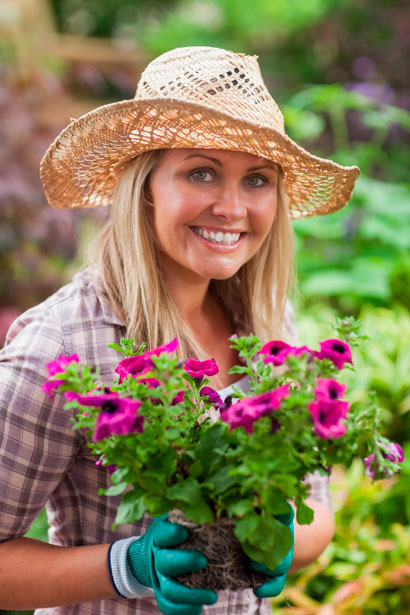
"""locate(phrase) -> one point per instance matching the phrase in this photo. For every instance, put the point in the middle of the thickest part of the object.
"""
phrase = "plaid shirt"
(45, 463)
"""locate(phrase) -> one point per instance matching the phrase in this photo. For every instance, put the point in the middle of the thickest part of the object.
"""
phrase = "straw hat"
(192, 97)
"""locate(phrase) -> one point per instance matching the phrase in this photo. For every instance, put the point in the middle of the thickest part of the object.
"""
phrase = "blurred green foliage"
(365, 569)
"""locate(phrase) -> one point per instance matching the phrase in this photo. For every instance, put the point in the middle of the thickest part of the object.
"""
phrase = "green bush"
(364, 570)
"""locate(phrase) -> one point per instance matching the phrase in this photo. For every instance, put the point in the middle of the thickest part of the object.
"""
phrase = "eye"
(201, 175)
(256, 181)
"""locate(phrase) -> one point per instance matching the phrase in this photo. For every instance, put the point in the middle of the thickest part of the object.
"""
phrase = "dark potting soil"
(228, 566)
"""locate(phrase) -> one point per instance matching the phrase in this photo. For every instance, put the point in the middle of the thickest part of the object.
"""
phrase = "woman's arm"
(311, 540)
(35, 574)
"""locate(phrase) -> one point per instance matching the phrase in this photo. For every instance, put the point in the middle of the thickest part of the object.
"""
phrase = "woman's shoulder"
(75, 311)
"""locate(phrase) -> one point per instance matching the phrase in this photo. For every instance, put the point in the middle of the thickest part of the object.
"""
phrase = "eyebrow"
(272, 166)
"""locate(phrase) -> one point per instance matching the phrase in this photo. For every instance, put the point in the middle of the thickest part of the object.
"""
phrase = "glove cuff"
(122, 578)
(138, 559)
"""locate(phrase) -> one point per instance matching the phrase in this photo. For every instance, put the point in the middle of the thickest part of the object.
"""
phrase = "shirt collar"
(110, 316)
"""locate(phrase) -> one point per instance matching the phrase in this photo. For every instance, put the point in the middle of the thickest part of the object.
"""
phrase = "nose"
(230, 203)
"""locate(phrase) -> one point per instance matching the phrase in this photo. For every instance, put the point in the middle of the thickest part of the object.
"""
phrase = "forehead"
(223, 156)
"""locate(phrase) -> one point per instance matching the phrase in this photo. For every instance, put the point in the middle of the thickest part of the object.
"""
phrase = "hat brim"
(82, 165)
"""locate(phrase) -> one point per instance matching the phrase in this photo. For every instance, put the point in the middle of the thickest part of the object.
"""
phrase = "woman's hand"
(154, 563)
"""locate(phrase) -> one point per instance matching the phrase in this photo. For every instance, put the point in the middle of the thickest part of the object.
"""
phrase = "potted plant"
(174, 446)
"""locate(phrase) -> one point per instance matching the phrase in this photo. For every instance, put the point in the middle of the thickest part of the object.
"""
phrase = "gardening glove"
(152, 563)
(275, 585)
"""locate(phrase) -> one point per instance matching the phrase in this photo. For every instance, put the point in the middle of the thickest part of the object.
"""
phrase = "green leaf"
(240, 369)
(116, 347)
(199, 513)
(213, 438)
(114, 489)
(131, 508)
(221, 481)
(156, 504)
(264, 539)
(196, 469)
(187, 490)
(245, 527)
(151, 481)
(240, 508)
(304, 514)
(275, 502)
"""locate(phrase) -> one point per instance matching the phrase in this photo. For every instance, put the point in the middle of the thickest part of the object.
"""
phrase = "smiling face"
(212, 210)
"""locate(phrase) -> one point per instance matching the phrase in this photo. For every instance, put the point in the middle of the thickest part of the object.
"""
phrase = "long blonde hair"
(126, 258)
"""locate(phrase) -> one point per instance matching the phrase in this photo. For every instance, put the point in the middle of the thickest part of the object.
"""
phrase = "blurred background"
(339, 70)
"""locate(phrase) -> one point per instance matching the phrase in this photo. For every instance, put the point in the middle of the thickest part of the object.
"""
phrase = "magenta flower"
(327, 388)
(57, 367)
(148, 381)
(328, 417)
(213, 397)
(133, 366)
(60, 364)
(111, 468)
(278, 351)
(178, 398)
(142, 362)
(395, 454)
(199, 369)
(118, 414)
(245, 412)
(336, 351)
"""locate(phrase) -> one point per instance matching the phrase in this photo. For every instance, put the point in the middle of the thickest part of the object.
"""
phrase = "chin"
(222, 273)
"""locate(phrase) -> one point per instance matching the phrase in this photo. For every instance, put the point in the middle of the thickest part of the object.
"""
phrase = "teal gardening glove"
(275, 585)
(153, 562)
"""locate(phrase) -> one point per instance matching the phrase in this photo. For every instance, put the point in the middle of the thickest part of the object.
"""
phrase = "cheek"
(265, 215)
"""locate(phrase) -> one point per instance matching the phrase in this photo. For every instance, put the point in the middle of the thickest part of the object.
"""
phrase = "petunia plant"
(170, 441)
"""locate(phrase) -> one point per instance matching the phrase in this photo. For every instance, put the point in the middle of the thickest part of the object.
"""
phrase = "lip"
(218, 247)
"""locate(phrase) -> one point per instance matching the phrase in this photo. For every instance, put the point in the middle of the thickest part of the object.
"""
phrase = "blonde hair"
(127, 262)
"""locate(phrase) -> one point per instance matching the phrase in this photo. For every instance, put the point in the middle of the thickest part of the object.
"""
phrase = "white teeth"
(219, 237)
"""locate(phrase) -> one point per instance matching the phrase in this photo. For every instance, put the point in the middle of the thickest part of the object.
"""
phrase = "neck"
(189, 294)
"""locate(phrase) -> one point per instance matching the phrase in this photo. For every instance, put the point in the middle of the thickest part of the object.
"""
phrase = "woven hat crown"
(222, 80)
(190, 97)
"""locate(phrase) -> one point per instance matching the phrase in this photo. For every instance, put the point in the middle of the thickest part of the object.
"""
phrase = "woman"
(202, 182)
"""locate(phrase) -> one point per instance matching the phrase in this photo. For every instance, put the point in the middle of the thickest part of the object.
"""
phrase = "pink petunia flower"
(60, 364)
(245, 412)
(141, 363)
(57, 367)
(199, 369)
(212, 395)
(336, 351)
(278, 351)
(111, 468)
(118, 414)
(395, 454)
(178, 398)
(328, 417)
(328, 388)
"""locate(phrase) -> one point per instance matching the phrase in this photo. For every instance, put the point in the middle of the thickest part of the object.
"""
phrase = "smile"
(219, 237)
